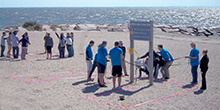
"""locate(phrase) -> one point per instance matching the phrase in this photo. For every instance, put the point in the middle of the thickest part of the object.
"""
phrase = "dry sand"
(70, 93)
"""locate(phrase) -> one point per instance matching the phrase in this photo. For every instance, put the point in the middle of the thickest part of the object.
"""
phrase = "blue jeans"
(72, 50)
(69, 48)
(95, 64)
(194, 73)
(15, 52)
(62, 52)
(161, 68)
(2, 50)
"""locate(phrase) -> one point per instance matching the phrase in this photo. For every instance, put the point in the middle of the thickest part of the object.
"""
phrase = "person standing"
(26, 37)
(61, 46)
(168, 60)
(15, 47)
(72, 37)
(3, 44)
(194, 62)
(94, 65)
(45, 42)
(204, 68)
(123, 60)
(89, 57)
(116, 56)
(24, 42)
(9, 45)
(102, 62)
(69, 45)
(49, 45)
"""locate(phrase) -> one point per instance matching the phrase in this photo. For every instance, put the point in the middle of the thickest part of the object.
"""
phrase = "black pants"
(204, 79)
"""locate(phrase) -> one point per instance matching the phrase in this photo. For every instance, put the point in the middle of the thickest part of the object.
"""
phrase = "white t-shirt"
(69, 41)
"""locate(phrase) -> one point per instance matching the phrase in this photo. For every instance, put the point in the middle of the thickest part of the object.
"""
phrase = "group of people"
(116, 55)
(13, 43)
(163, 60)
(63, 42)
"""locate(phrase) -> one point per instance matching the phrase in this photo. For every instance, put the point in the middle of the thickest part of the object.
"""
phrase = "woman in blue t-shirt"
(102, 62)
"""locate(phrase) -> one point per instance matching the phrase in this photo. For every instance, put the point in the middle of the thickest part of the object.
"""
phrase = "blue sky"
(109, 3)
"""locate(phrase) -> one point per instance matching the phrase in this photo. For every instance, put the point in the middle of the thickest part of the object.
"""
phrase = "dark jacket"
(204, 63)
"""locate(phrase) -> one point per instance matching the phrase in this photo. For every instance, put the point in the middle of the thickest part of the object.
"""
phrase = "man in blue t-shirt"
(168, 60)
(116, 54)
(194, 62)
(89, 56)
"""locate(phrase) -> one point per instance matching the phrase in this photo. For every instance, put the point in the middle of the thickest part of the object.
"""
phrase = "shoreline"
(189, 30)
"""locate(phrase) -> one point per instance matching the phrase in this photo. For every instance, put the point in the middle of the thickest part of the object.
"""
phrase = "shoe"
(126, 75)
(203, 88)
(90, 79)
(103, 85)
(166, 78)
(194, 83)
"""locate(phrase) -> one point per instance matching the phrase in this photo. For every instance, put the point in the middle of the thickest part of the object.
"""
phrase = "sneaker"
(103, 85)
(126, 75)
(90, 79)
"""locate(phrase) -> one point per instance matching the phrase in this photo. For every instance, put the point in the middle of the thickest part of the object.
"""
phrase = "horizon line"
(126, 7)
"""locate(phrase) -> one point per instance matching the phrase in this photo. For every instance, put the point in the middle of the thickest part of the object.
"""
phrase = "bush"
(32, 26)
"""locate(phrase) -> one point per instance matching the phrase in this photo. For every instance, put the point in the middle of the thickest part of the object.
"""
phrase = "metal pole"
(151, 57)
(132, 62)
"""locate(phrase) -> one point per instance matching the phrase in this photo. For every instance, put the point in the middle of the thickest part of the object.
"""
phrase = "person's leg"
(119, 81)
(92, 70)
(17, 52)
(124, 67)
(114, 78)
(89, 67)
(140, 72)
(2, 50)
(162, 71)
(72, 50)
(204, 80)
(166, 69)
(156, 71)
(194, 74)
(22, 53)
(13, 51)
(25, 52)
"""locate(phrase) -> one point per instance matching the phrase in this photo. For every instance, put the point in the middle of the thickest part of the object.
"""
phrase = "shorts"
(89, 64)
(117, 70)
(101, 68)
(49, 49)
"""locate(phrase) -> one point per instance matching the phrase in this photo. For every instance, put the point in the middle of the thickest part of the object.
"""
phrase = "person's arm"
(144, 56)
(57, 35)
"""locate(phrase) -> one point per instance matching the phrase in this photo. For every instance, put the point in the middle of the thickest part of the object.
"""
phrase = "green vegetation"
(32, 26)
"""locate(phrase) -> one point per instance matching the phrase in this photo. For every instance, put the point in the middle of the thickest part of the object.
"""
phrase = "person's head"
(160, 47)
(23, 36)
(67, 34)
(4, 34)
(15, 32)
(193, 45)
(71, 34)
(48, 34)
(91, 43)
(104, 43)
(26, 33)
(116, 44)
(10, 34)
(121, 43)
(146, 61)
(204, 52)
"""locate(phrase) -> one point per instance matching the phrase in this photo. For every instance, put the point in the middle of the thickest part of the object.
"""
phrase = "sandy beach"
(60, 84)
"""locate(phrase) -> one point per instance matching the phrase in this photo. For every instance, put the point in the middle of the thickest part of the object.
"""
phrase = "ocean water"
(198, 17)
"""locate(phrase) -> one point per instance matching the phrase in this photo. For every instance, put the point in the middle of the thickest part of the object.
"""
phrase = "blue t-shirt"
(90, 54)
(115, 55)
(96, 58)
(102, 54)
(166, 55)
(194, 53)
